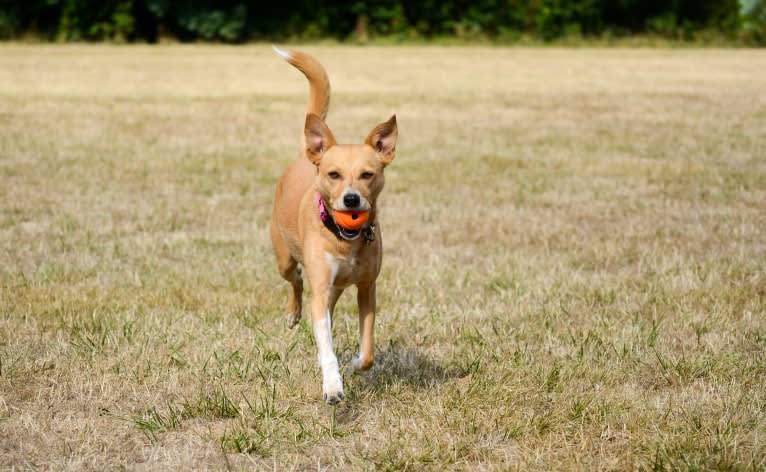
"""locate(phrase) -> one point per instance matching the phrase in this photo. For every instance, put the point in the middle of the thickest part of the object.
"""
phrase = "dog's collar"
(329, 222)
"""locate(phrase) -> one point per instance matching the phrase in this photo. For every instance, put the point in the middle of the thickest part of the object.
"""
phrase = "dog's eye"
(333, 175)
(366, 175)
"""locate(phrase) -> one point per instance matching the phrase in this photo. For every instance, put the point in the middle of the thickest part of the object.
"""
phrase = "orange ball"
(351, 219)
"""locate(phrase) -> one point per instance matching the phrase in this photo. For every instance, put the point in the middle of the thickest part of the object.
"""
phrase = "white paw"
(358, 365)
(332, 388)
(355, 363)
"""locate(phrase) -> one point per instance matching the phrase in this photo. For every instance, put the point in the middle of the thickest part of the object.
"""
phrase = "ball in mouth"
(351, 220)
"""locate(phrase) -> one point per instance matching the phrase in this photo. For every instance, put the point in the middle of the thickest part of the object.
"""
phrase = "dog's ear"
(382, 138)
(318, 138)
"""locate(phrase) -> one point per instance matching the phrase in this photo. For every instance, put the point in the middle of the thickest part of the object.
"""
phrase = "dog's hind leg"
(335, 293)
(294, 296)
(290, 271)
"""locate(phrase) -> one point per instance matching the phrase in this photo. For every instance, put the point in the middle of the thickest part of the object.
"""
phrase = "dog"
(329, 178)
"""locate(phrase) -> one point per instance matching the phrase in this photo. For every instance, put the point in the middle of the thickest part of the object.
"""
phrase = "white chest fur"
(343, 269)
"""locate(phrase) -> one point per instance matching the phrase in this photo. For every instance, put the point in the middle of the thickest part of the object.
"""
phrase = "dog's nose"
(351, 200)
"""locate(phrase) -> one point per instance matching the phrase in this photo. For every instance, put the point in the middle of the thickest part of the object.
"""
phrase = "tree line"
(235, 21)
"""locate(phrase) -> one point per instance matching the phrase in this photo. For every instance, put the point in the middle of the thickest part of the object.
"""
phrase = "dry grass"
(573, 278)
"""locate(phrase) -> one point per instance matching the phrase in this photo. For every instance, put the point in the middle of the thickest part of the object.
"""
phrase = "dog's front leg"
(366, 299)
(321, 321)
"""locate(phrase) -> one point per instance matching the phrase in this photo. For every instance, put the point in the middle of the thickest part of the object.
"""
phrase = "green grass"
(573, 271)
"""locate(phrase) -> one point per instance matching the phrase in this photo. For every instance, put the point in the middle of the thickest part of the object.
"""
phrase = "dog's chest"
(344, 270)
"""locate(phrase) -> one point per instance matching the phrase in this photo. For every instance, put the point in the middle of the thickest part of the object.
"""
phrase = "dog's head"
(350, 176)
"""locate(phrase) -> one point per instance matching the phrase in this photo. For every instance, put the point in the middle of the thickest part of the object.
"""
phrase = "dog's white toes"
(358, 366)
(355, 363)
(355, 367)
(332, 389)
(334, 399)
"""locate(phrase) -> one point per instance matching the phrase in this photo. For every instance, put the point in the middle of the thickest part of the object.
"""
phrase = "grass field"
(574, 273)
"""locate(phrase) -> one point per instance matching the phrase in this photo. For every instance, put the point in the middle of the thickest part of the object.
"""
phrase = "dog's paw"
(355, 364)
(332, 389)
(293, 319)
(333, 399)
(358, 365)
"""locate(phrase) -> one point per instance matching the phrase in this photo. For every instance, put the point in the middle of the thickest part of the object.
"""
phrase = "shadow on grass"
(397, 370)
(409, 366)
(396, 365)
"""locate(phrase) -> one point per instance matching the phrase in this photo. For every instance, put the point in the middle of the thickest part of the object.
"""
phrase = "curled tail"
(319, 83)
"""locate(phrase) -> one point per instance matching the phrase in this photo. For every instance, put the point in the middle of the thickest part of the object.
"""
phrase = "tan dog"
(330, 177)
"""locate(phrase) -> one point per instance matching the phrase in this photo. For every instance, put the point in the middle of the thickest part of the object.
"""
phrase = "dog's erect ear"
(318, 137)
(382, 138)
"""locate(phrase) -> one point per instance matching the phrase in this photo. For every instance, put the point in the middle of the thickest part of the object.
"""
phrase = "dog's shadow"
(395, 367)
(409, 366)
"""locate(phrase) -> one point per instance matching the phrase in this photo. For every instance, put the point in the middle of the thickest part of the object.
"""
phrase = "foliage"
(754, 15)
(498, 20)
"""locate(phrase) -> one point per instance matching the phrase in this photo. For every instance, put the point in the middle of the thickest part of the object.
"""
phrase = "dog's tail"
(319, 83)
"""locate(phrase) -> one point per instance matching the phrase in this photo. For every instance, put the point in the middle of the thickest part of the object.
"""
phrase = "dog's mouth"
(349, 234)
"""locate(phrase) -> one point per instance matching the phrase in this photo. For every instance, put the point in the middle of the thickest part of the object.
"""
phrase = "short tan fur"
(346, 177)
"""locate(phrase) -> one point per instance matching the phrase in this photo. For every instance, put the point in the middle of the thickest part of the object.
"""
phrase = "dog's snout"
(351, 200)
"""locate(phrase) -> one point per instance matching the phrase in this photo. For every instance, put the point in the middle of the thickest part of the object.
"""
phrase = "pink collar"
(323, 215)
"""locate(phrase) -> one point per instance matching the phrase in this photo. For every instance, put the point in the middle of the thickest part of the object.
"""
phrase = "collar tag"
(369, 234)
